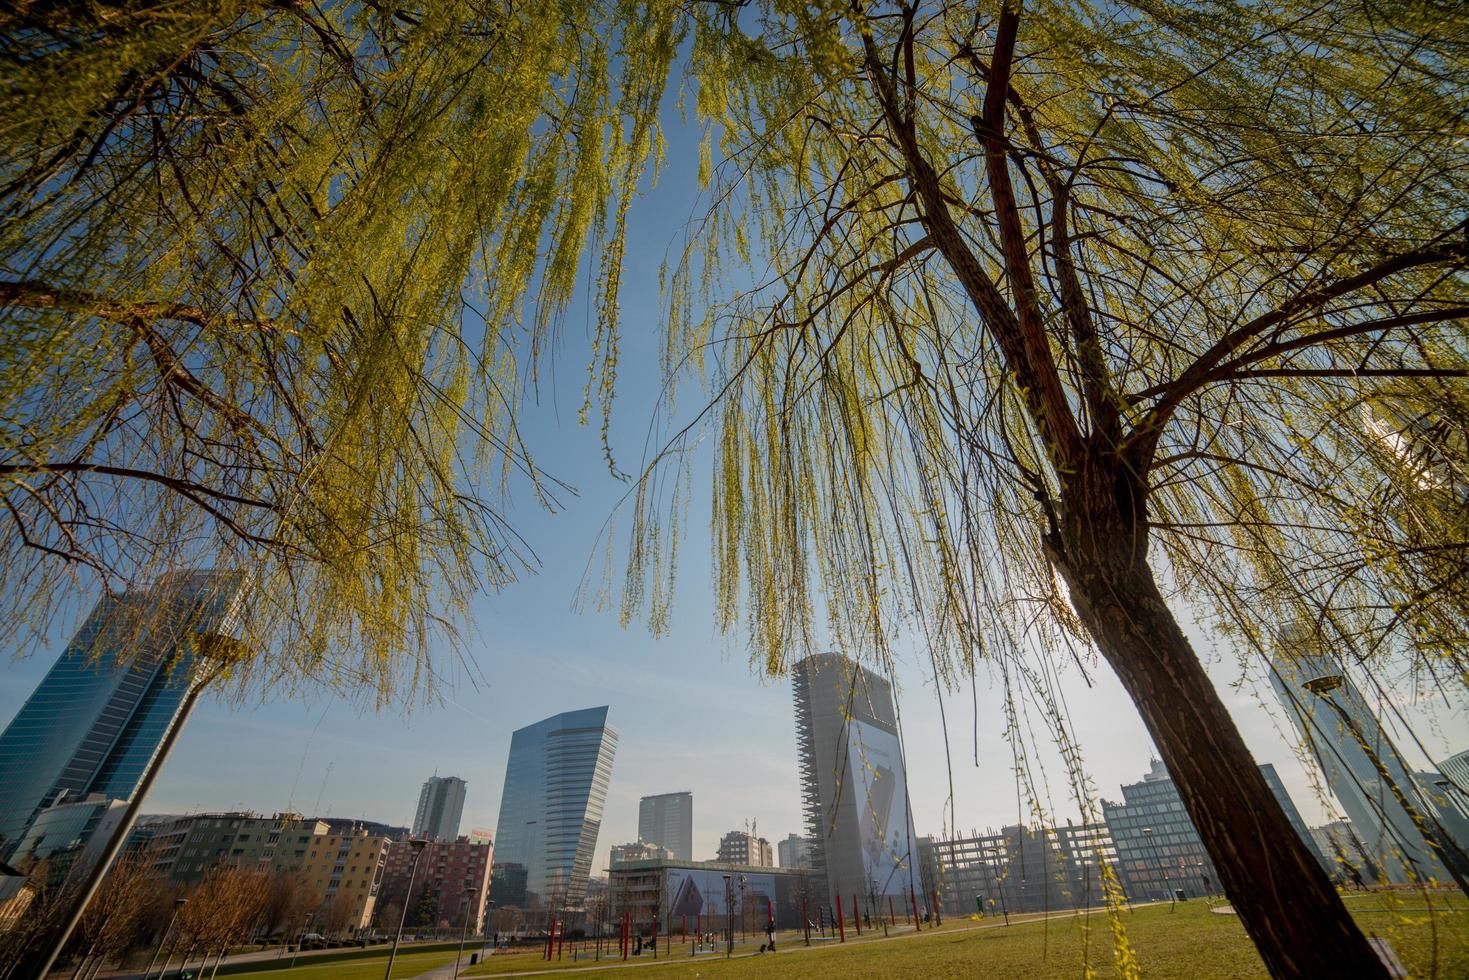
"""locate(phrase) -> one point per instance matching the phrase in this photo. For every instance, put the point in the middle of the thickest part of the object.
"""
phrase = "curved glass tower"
(551, 811)
(97, 718)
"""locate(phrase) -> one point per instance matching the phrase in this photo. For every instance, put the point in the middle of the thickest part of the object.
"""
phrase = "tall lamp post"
(469, 894)
(1434, 835)
(728, 922)
(178, 905)
(418, 845)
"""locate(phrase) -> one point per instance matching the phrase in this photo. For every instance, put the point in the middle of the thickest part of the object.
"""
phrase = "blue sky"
(690, 711)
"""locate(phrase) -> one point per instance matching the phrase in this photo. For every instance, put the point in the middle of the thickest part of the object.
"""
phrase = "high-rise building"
(183, 849)
(743, 847)
(344, 871)
(668, 821)
(1455, 781)
(1158, 848)
(440, 805)
(854, 787)
(68, 836)
(794, 852)
(555, 788)
(96, 720)
(1362, 766)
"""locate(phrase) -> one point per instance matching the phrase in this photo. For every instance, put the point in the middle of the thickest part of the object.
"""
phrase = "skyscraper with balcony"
(97, 718)
(1362, 766)
(551, 811)
(854, 785)
(668, 821)
(440, 805)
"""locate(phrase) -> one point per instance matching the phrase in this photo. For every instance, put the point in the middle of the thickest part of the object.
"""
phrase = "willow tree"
(272, 276)
(1070, 311)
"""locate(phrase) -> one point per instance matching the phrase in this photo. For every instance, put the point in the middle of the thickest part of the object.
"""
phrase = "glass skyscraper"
(1338, 726)
(551, 811)
(440, 805)
(97, 718)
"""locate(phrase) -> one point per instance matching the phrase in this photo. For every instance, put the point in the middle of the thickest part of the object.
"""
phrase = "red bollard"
(892, 919)
(626, 933)
(655, 939)
(560, 939)
(856, 915)
(806, 922)
(841, 926)
(684, 928)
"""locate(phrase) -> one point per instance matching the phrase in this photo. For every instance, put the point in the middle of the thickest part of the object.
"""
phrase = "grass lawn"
(1189, 941)
(369, 968)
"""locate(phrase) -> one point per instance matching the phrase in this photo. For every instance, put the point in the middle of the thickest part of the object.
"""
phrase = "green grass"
(1188, 942)
(367, 968)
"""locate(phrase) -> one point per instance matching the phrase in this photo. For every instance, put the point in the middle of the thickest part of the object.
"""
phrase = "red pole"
(841, 926)
(856, 915)
(560, 939)
(684, 928)
(626, 932)
(892, 919)
(806, 921)
(655, 937)
(938, 910)
(914, 897)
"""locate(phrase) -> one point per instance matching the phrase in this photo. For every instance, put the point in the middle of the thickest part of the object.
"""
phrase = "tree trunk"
(1288, 906)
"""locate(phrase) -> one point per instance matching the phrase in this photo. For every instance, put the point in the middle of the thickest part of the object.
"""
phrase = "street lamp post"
(464, 928)
(1158, 863)
(296, 950)
(728, 923)
(495, 932)
(418, 845)
(177, 907)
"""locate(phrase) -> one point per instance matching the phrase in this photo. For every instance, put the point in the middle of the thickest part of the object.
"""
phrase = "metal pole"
(178, 904)
(418, 846)
(103, 864)
(463, 930)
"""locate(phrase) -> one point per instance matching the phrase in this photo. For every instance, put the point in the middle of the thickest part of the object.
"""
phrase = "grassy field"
(1189, 941)
(367, 968)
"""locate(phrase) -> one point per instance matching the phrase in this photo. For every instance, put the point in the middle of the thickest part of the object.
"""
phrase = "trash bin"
(473, 958)
(1178, 894)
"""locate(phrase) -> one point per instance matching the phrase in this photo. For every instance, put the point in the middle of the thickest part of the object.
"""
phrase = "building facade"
(853, 782)
(96, 720)
(440, 806)
(345, 870)
(68, 837)
(708, 896)
(556, 783)
(636, 851)
(1362, 767)
(450, 887)
(794, 852)
(742, 847)
(1158, 849)
(668, 821)
(183, 849)
(1023, 869)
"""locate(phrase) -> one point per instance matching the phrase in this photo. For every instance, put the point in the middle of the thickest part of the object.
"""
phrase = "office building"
(1354, 753)
(344, 872)
(1454, 781)
(450, 886)
(743, 847)
(668, 821)
(97, 718)
(440, 805)
(1022, 869)
(1158, 848)
(68, 837)
(794, 852)
(853, 785)
(551, 810)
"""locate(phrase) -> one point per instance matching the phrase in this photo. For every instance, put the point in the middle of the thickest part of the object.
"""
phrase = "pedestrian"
(770, 934)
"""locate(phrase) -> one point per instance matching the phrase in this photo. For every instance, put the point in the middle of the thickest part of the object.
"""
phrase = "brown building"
(452, 882)
(346, 871)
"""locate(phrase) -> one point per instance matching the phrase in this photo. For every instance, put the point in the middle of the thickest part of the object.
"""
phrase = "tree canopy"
(273, 275)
